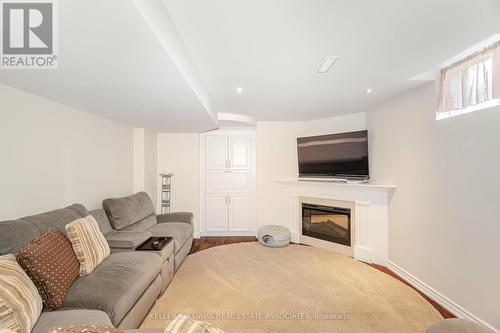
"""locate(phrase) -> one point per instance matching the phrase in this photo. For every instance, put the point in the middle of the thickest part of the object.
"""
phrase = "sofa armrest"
(127, 239)
(185, 217)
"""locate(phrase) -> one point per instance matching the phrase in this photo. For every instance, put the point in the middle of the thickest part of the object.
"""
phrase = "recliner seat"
(137, 213)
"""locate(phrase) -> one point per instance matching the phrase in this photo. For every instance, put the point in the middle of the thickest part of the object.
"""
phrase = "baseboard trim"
(436, 296)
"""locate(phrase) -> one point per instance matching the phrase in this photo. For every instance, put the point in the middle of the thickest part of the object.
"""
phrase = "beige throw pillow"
(20, 303)
(184, 324)
(90, 246)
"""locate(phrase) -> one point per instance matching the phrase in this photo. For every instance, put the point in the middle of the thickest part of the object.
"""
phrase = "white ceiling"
(273, 48)
(113, 63)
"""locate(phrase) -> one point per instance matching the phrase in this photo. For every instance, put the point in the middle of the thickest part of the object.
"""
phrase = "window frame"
(491, 43)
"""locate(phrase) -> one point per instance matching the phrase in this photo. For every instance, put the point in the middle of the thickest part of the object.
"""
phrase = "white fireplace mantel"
(371, 218)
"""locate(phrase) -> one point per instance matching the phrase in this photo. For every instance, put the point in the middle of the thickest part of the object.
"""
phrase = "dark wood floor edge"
(442, 310)
(206, 242)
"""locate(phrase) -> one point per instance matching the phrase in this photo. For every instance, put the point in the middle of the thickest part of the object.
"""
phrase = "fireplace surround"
(369, 215)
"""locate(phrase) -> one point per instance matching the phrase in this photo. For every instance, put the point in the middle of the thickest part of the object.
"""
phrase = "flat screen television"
(343, 155)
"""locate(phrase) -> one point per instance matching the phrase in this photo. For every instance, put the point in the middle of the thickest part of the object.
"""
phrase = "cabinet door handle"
(229, 197)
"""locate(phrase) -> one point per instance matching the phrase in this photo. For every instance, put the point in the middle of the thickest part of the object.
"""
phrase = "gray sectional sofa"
(124, 287)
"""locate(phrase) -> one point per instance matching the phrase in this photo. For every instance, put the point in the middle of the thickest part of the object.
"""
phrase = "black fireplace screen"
(327, 223)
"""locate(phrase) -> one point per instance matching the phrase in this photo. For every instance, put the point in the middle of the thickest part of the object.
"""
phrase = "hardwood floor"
(445, 313)
(204, 243)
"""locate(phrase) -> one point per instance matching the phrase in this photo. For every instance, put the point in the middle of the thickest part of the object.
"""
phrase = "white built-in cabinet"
(227, 182)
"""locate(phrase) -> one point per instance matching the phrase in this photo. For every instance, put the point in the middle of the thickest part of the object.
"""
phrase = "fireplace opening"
(327, 223)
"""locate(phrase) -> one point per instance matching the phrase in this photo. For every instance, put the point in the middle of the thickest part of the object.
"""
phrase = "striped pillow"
(86, 329)
(184, 324)
(20, 303)
(90, 246)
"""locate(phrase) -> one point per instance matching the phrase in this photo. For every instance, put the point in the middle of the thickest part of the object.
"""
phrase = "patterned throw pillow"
(51, 264)
(86, 329)
(90, 246)
(184, 324)
(20, 303)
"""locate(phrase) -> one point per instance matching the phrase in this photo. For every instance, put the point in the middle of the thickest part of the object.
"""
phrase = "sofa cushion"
(127, 239)
(186, 217)
(59, 318)
(180, 231)
(115, 285)
(142, 225)
(20, 302)
(51, 264)
(102, 219)
(57, 218)
(128, 210)
(90, 246)
(15, 234)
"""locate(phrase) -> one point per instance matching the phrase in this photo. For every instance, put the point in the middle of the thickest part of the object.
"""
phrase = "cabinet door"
(240, 212)
(216, 212)
(239, 151)
(216, 152)
(228, 181)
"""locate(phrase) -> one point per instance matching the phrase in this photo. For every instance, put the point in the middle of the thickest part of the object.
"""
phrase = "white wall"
(444, 217)
(277, 157)
(146, 177)
(179, 153)
(53, 155)
(151, 175)
(139, 159)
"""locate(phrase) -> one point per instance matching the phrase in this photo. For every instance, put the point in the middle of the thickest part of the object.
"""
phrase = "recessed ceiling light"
(239, 90)
(369, 91)
(327, 64)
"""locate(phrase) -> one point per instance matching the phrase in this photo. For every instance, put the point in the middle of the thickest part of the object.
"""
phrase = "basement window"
(471, 83)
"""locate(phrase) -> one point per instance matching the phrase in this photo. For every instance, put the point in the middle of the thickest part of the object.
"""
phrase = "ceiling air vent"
(327, 64)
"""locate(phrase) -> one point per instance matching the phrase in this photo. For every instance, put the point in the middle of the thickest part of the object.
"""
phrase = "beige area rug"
(291, 289)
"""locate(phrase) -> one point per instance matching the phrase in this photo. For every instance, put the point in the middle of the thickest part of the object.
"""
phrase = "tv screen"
(343, 155)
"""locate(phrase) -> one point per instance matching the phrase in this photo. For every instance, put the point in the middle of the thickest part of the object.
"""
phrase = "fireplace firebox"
(327, 223)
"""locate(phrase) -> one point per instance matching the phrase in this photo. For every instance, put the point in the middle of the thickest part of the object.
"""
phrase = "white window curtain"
(472, 81)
